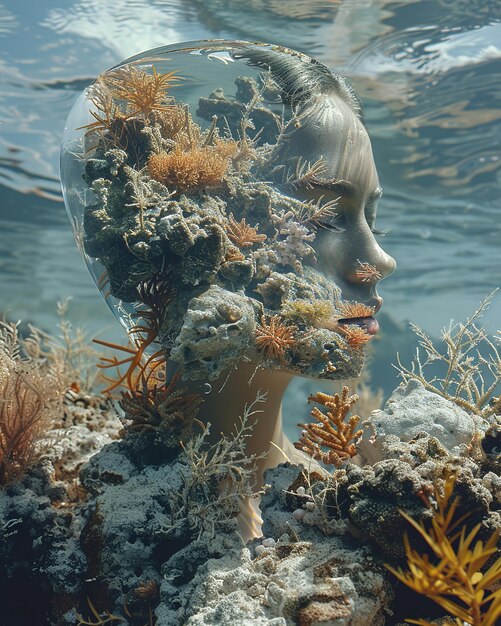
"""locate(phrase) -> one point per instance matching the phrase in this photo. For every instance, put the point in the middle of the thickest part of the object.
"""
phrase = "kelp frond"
(142, 369)
(472, 365)
(451, 574)
(332, 432)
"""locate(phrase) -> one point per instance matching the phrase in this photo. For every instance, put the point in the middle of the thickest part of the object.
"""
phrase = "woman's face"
(345, 244)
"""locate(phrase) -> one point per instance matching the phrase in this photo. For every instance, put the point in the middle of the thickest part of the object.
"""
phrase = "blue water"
(427, 71)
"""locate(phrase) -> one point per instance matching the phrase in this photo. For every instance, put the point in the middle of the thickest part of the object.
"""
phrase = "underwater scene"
(250, 361)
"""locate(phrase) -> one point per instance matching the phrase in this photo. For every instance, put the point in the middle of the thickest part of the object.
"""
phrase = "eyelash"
(337, 229)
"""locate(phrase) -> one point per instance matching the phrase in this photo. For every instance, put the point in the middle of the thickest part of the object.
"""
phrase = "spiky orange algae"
(234, 254)
(354, 336)
(243, 235)
(273, 337)
(197, 167)
(143, 92)
(367, 273)
(353, 309)
(333, 433)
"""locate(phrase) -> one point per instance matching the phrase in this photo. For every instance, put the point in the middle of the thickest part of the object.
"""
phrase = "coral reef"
(151, 526)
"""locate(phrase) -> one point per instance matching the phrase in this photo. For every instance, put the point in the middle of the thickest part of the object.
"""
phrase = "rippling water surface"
(427, 71)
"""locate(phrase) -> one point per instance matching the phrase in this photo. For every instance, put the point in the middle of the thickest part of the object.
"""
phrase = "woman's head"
(234, 227)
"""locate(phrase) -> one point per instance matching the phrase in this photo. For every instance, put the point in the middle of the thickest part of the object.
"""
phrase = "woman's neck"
(225, 399)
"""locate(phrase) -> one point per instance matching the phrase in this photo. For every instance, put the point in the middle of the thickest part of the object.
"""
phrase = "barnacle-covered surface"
(173, 171)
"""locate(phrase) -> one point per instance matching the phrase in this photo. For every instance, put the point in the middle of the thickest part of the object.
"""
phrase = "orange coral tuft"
(142, 369)
(233, 254)
(354, 336)
(333, 433)
(242, 234)
(192, 169)
(273, 337)
(143, 92)
(354, 309)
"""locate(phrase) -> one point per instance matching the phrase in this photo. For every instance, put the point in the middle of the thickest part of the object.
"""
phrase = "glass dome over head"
(224, 196)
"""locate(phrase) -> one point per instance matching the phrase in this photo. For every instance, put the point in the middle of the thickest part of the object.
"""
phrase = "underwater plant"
(216, 480)
(453, 572)
(274, 337)
(198, 167)
(471, 361)
(333, 432)
(106, 618)
(167, 407)
(32, 391)
(143, 369)
(243, 235)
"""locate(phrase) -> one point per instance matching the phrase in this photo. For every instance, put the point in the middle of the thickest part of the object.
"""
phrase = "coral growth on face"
(274, 337)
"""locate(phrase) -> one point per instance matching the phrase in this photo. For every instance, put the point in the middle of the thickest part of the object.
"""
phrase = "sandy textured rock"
(217, 331)
(412, 409)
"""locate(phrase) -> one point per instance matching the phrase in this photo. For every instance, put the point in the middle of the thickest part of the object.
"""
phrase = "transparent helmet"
(223, 195)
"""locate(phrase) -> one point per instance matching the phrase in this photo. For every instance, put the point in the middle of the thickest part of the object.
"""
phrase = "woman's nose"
(374, 265)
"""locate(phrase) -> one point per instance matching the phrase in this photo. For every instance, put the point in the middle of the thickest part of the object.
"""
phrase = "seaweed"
(453, 573)
(471, 361)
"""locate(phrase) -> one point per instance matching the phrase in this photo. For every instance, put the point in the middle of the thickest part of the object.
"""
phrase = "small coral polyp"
(173, 173)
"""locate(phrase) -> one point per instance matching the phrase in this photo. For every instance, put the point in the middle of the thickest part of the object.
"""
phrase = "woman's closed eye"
(333, 224)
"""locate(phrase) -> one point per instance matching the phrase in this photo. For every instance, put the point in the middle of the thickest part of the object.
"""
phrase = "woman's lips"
(369, 324)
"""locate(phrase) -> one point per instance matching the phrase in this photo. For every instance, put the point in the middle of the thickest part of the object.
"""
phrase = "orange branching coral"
(143, 92)
(242, 234)
(355, 336)
(142, 368)
(333, 433)
(353, 309)
(367, 273)
(198, 167)
(273, 337)
(451, 573)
